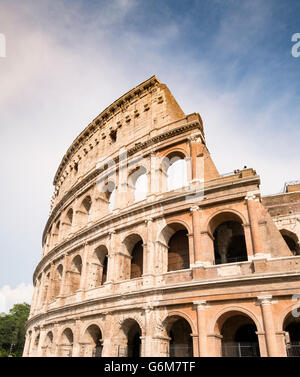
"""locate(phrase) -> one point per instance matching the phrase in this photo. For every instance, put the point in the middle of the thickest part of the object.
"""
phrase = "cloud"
(65, 64)
(9, 296)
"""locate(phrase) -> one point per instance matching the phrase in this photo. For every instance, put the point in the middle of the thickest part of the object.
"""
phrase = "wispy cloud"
(11, 296)
(65, 64)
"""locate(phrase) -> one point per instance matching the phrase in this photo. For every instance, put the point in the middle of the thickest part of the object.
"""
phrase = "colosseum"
(150, 251)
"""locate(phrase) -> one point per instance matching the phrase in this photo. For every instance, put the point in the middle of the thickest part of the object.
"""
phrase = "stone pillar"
(195, 210)
(76, 338)
(84, 270)
(147, 339)
(64, 290)
(50, 285)
(111, 258)
(153, 175)
(201, 305)
(41, 341)
(197, 161)
(148, 260)
(27, 344)
(267, 315)
(253, 217)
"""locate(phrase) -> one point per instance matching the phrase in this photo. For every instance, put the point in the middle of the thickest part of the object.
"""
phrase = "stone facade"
(208, 268)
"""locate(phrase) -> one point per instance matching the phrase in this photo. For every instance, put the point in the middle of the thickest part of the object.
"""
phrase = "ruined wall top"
(131, 118)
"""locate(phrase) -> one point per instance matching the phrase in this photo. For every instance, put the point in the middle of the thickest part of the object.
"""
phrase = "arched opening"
(85, 210)
(178, 255)
(98, 267)
(48, 344)
(109, 195)
(75, 273)
(130, 340)
(291, 327)
(36, 345)
(239, 338)
(137, 260)
(133, 260)
(141, 187)
(66, 345)
(174, 168)
(229, 238)
(69, 216)
(57, 281)
(179, 331)
(93, 341)
(46, 288)
(291, 240)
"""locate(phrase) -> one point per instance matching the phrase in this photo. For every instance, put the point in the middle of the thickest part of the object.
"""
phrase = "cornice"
(246, 281)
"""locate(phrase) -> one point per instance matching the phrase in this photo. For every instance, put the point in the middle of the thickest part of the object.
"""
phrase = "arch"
(213, 328)
(130, 338)
(84, 212)
(75, 273)
(291, 240)
(291, 327)
(179, 313)
(48, 344)
(57, 281)
(238, 328)
(229, 237)
(174, 171)
(137, 185)
(36, 344)
(66, 342)
(69, 216)
(239, 335)
(133, 263)
(98, 267)
(92, 341)
(178, 331)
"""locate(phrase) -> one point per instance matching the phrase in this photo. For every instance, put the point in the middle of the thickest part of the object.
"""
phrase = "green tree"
(12, 330)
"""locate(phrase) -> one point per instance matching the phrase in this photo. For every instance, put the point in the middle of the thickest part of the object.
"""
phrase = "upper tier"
(134, 117)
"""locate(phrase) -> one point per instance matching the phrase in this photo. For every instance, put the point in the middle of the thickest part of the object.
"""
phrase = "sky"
(65, 61)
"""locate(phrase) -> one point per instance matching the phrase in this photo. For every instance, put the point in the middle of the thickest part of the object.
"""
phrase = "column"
(64, 290)
(148, 261)
(267, 315)
(111, 258)
(84, 270)
(195, 210)
(147, 340)
(76, 340)
(201, 306)
(195, 150)
(50, 285)
(252, 200)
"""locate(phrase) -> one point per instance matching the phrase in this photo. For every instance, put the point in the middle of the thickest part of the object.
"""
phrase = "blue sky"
(67, 60)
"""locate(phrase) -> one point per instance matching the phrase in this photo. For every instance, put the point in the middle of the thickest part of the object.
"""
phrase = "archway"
(174, 168)
(85, 211)
(180, 341)
(133, 258)
(98, 267)
(57, 281)
(75, 274)
(66, 344)
(239, 338)
(229, 238)
(291, 240)
(93, 341)
(292, 328)
(130, 340)
(48, 351)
